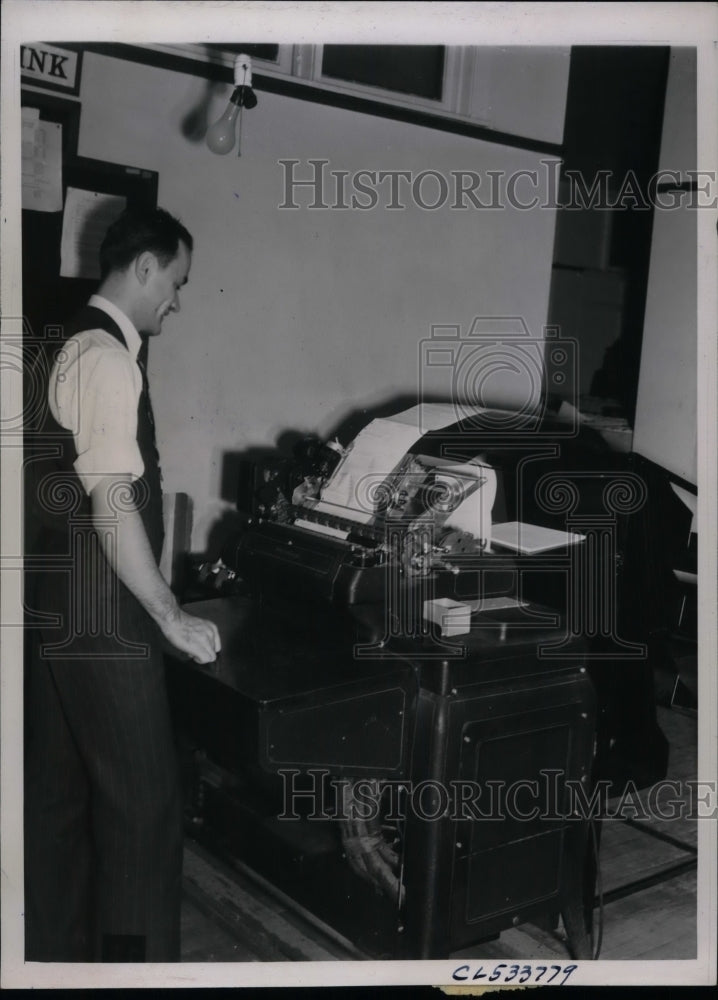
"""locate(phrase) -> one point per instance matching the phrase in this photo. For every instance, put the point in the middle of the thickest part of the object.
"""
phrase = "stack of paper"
(452, 617)
(529, 539)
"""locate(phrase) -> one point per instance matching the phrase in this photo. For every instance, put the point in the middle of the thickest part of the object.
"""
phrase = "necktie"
(145, 401)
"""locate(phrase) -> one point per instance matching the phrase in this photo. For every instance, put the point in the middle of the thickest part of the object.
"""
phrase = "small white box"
(452, 617)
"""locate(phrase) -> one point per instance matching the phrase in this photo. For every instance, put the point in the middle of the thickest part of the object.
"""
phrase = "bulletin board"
(54, 289)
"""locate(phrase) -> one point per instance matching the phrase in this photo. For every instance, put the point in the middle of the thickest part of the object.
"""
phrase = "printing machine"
(402, 718)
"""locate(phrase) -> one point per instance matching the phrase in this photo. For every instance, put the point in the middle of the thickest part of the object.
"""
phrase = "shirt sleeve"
(102, 387)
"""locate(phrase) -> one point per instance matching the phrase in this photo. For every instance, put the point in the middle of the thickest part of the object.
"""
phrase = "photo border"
(517, 23)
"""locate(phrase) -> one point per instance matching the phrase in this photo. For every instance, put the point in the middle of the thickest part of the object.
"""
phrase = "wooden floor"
(230, 915)
(647, 879)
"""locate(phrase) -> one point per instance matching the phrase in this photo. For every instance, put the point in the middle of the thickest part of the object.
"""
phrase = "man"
(103, 835)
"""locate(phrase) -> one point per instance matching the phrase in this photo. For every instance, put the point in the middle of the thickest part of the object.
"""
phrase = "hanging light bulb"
(222, 135)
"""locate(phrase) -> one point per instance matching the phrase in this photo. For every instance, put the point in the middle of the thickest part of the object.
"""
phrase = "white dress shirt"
(94, 391)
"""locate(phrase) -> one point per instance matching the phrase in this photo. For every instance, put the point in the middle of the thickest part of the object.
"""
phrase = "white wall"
(526, 90)
(666, 409)
(292, 319)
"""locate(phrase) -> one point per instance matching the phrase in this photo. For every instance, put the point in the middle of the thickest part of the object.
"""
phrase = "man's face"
(161, 292)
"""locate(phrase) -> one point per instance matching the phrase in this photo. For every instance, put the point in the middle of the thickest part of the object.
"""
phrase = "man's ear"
(145, 264)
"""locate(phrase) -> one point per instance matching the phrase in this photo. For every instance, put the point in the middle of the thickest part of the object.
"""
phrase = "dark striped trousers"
(103, 816)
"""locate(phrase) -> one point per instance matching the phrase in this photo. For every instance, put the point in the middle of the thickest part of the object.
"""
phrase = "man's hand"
(197, 637)
(129, 554)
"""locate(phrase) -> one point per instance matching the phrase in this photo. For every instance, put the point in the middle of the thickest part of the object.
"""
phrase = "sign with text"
(51, 67)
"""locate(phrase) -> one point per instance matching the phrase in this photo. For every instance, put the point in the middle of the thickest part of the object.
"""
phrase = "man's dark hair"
(140, 229)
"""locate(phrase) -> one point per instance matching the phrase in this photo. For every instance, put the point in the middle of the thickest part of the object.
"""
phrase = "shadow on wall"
(196, 121)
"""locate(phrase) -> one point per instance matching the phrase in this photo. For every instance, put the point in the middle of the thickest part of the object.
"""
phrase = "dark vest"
(51, 453)
(86, 611)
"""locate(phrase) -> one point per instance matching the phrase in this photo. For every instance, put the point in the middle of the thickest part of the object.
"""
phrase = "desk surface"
(265, 658)
(269, 653)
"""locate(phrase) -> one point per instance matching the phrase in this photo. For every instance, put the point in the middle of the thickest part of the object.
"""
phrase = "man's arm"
(128, 551)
